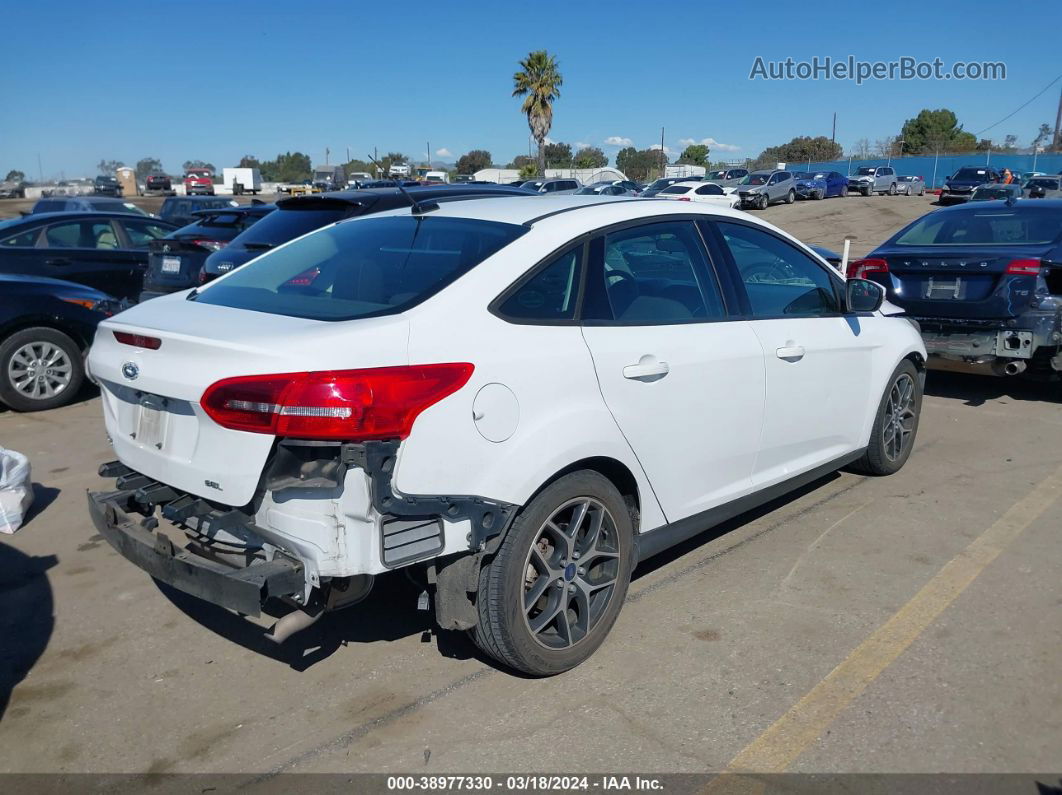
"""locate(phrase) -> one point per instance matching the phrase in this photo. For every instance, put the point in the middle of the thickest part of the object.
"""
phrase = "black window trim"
(731, 265)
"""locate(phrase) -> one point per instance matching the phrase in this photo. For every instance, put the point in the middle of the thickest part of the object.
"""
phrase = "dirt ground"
(908, 623)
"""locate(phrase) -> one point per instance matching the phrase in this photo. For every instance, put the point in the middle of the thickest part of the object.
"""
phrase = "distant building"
(584, 175)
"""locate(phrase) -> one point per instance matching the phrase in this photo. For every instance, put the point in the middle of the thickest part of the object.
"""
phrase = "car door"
(817, 363)
(89, 251)
(684, 382)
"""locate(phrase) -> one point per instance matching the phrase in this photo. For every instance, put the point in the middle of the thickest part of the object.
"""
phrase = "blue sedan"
(820, 184)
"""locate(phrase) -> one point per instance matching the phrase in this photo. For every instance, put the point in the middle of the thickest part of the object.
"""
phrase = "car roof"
(545, 209)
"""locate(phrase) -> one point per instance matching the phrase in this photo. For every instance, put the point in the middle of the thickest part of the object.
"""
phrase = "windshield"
(971, 174)
(661, 183)
(992, 225)
(361, 268)
(715, 175)
(865, 172)
(281, 225)
(755, 179)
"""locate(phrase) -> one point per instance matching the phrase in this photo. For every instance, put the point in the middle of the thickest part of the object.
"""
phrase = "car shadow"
(390, 612)
(26, 616)
(976, 390)
(88, 392)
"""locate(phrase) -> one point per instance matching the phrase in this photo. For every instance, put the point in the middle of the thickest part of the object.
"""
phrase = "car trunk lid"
(151, 395)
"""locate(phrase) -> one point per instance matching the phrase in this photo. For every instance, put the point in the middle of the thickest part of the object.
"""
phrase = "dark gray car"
(761, 188)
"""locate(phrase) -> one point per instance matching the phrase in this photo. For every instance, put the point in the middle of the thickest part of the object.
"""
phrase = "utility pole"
(428, 144)
(40, 171)
(327, 153)
(1056, 141)
(348, 154)
(833, 135)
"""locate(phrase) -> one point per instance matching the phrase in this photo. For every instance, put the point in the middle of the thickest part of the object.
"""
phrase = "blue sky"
(216, 80)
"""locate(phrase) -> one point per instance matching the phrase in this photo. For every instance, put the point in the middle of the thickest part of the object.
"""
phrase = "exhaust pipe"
(295, 621)
(1014, 368)
(339, 593)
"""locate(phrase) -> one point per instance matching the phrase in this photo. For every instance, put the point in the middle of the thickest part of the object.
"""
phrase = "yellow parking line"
(789, 736)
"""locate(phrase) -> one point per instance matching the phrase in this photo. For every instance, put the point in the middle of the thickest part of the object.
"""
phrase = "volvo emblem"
(130, 370)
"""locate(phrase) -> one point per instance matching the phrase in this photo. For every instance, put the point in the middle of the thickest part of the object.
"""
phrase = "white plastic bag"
(16, 490)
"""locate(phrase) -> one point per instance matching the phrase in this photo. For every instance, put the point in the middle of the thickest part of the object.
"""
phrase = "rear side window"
(24, 239)
(82, 234)
(363, 268)
(549, 294)
(651, 275)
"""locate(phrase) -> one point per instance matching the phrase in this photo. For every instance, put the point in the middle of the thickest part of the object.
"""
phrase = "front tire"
(844, 191)
(790, 197)
(892, 189)
(557, 582)
(40, 368)
(896, 423)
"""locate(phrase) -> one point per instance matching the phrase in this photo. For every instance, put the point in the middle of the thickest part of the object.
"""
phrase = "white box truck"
(241, 180)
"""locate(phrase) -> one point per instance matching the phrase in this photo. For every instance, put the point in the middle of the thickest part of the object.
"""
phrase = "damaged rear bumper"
(243, 589)
(992, 344)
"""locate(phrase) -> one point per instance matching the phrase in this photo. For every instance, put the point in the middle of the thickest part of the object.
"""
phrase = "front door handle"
(792, 353)
(646, 371)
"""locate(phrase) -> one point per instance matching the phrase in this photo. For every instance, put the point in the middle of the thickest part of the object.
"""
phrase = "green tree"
(538, 82)
(108, 167)
(640, 163)
(936, 130)
(146, 166)
(520, 161)
(558, 155)
(694, 155)
(189, 164)
(590, 157)
(354, 166)
(287, 167)
(529, 170)
(1042, 136)
(250, 161)
(474, 161)
(800, 149)
(14, 175)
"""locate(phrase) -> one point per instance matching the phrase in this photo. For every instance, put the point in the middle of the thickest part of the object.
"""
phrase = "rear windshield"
(361, 268)
(49, 206)
(984, 227)
(676, 189)
(281, 225)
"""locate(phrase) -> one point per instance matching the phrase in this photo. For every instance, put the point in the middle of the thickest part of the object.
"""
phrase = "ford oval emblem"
(130, 370)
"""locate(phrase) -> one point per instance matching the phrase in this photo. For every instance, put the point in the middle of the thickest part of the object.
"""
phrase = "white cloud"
(444, 152)
(656, 147)
(617, 140)
(581, 145)
(547, 140)
(711, 143)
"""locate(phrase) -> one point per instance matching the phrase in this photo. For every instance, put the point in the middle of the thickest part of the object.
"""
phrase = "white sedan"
(516, 399)
(706, 192)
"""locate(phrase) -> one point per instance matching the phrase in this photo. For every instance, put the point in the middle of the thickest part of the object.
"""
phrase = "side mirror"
(863, 295)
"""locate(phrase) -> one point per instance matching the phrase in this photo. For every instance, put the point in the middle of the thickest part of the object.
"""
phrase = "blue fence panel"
(934, 170)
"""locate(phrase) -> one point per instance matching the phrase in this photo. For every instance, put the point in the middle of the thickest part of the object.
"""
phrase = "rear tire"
(557, 582)
(39, 360)
(844, 191)
(895, 424)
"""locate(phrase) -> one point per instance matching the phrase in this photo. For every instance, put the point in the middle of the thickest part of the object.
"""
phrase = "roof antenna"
(418, 208)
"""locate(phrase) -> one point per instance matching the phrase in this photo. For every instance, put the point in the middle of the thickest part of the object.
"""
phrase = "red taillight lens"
(139, 340)
(684, 198)
(352, 405)
(213, 245)
(304, 279)
(861, 268)
(1024, 267)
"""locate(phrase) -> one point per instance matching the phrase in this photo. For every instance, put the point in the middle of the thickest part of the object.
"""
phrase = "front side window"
(22, 239)
(81, 234)
(780, 280)
(651, 275)
(549, 294)
(361, 268)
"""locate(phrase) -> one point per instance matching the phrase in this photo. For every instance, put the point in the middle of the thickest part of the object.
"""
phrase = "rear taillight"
(304, 279)
(352, 405)
(139, 340)
(684, 198)
(861, 268)
(213, 245)
(1023, 267)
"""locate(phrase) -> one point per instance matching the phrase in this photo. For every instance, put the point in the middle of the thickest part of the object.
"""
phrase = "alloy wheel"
(39, 370)
(897, 430)
(570, 573)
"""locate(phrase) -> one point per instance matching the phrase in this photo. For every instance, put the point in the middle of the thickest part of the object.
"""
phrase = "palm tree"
(539, 83)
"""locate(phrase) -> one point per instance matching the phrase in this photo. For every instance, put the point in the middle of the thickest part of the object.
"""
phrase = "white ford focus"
(521, 398)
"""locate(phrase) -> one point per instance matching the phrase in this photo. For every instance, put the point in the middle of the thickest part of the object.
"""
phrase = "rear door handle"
(791, 352)
(646, 370)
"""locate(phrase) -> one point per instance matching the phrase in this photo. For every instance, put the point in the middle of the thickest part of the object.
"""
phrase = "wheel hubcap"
(563, 599)
(39, 370)
(898, 428)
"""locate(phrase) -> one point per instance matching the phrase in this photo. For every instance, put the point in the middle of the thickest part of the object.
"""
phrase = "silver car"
(553, 186)
(760, 188)
(910, 186)
(873, 179)
(727, 177)
(610, 188)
